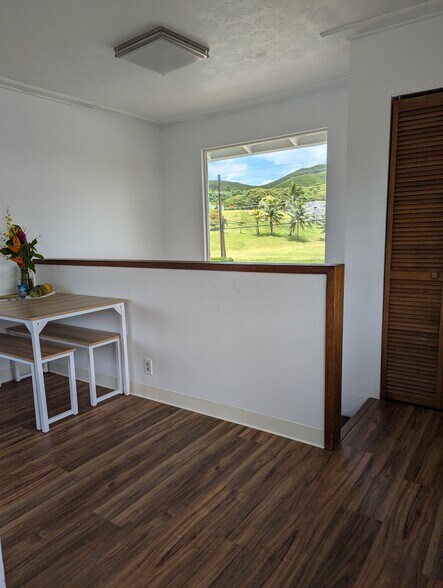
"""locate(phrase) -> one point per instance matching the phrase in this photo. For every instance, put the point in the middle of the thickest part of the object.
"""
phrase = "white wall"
(181, 151)
(240, 346)
(398, 61)
(87, 181)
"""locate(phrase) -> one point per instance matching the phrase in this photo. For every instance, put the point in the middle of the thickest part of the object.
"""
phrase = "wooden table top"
(53, 306)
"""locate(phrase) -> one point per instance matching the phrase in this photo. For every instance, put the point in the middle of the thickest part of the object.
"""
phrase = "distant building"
(316, 208)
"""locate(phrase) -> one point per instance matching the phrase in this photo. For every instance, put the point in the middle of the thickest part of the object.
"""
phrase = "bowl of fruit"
(41, 291)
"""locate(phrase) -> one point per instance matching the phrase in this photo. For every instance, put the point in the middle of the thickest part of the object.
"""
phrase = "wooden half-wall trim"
(335, 274)
(212, 266)
(335, 287)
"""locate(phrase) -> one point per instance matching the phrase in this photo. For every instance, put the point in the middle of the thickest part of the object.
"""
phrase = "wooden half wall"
(334, 274)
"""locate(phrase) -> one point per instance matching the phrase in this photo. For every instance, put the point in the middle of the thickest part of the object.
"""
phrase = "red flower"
(15, 246)
(21, 235)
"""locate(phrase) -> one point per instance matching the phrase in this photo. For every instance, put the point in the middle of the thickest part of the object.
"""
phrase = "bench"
(19, 350)
(80, 337)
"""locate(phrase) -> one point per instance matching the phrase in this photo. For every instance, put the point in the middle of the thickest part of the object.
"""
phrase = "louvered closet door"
(413, 313)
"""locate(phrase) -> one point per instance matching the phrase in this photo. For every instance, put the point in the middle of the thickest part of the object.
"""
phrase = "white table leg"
(36, 402)
(35, 328)
(120, 308)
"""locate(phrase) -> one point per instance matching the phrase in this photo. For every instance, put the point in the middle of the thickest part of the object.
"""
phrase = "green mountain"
(227, 186)
(305, 176)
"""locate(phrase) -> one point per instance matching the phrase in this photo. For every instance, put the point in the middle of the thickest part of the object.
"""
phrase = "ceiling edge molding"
(310, 90)
(390, 20)
(329, 85)
(37, 92)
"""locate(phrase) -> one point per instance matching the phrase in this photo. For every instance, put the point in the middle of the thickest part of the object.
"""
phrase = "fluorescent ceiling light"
(161, 50)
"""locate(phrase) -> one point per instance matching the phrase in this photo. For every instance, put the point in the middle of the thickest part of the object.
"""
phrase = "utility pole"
(221, 220)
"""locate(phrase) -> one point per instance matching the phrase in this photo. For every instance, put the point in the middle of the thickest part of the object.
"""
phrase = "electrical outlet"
(148, 366)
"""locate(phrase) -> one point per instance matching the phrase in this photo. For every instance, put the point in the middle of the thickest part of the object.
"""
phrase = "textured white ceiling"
(258, 49)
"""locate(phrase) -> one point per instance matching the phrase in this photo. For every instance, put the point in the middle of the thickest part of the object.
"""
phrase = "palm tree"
(259, 217)
(321, 223)
(295, 193)
(298, 218)
(272, 207)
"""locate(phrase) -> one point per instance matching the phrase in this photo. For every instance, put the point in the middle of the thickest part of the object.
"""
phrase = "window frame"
(205, 180)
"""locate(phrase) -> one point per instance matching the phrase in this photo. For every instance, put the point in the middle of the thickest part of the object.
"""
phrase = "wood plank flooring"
(136, 493)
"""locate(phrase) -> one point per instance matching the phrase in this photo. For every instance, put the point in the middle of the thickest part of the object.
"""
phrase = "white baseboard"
(239, 416)
(224, 412)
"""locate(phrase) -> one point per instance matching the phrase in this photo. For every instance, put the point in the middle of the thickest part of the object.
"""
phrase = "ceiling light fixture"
(161, 50)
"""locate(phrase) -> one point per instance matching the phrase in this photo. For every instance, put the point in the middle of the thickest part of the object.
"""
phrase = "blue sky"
(257, 170)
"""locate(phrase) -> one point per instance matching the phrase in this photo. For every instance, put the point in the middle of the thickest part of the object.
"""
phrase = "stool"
(80, 337)
(19, 349)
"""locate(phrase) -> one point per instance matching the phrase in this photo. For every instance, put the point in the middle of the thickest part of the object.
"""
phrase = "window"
(266, 201)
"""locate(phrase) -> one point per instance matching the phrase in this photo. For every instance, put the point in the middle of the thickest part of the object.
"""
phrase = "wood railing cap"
(257, 267)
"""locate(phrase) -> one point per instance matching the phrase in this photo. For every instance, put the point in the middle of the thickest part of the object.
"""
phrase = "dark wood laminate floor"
(135, 493)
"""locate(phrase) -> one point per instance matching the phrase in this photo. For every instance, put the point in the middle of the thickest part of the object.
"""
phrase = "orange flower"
(18, 260)
(16, 245)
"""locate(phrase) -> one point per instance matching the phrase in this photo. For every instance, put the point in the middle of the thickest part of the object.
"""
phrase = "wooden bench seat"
(80, 337)
(19, 350)
(16, 348)
(69, 334)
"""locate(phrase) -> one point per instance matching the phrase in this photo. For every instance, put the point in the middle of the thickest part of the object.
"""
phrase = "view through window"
(267, 200)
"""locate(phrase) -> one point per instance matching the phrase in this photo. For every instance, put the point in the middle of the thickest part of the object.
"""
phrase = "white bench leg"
(72, 384)
(124, 348)
(92, 384)
(36, 402)
(2, 570)
(92, 381)
(18, 375)
(16, 371)
(119, 367)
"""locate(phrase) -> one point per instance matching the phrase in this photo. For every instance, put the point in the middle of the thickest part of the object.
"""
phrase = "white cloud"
(263, 168)
(303, 157)
(232, 171)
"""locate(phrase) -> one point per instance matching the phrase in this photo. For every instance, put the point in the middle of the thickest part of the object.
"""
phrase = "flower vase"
(26, 278)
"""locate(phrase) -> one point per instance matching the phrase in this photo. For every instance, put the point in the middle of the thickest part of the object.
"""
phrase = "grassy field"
(247, 246)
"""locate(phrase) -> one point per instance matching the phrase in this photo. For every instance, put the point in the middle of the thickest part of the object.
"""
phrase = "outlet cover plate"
(148, 366)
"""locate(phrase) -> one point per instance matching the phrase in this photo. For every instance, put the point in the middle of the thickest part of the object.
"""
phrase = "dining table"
(36, 313)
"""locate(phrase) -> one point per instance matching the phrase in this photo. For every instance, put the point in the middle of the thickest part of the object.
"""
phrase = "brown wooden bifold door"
(413, 304)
